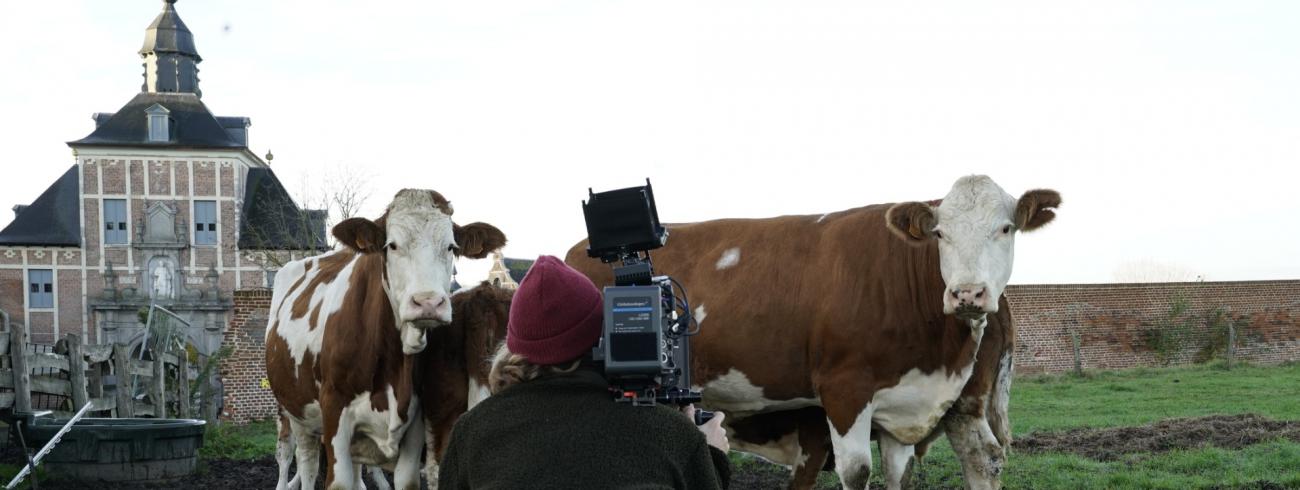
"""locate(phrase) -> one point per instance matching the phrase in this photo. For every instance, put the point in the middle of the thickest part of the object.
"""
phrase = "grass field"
(1052, 404)
(1141, 396)
(227, 441)
(1130, 398)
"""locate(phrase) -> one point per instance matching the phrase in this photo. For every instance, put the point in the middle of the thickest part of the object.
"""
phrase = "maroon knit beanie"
(555, 315)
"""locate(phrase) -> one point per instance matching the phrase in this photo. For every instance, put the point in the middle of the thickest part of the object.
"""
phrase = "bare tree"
(1149, 270)
(347, 188)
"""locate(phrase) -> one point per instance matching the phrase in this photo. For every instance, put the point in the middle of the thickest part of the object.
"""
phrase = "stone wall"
(1109, 318)
(243, 372)
(1115, 321)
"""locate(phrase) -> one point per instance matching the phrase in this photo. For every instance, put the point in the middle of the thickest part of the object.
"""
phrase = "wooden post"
(158, 387)
(202, 387)
(1232, 342)
(183, 384)
(122, 363)
(77, 371)
(1078, 359)
(95, 383)
(210, 401)
(22, 376)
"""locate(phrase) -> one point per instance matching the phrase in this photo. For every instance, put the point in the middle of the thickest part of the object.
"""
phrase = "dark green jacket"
(567, 432)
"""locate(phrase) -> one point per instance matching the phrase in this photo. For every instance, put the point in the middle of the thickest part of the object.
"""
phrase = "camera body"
(645, 339)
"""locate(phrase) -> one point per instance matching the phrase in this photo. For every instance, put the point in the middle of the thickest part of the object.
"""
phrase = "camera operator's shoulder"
(669, 418)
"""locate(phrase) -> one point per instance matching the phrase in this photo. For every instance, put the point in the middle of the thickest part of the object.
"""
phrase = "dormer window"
(159, 123)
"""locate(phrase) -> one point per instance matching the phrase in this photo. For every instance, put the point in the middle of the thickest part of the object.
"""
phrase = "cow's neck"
(957, 339)
(380, 334)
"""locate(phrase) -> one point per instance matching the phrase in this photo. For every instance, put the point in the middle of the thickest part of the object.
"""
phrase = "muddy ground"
(1227, 431)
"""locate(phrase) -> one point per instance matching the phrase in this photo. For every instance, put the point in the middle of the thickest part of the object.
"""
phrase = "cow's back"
(307, 293)
(790, 303)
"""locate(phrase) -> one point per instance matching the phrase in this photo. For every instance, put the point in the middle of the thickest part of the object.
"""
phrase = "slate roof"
(53, 219)
(168, 34)
(273, 222)
(517, 267)
(192, 124)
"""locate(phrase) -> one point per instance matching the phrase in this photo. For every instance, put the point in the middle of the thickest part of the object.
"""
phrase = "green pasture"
(1129, 398)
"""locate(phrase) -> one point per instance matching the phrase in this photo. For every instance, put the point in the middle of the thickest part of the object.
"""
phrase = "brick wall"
(1110, 320)
(247, 398)
(12, 282)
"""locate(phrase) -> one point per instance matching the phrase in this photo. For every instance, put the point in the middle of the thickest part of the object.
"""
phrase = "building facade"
(165, 205)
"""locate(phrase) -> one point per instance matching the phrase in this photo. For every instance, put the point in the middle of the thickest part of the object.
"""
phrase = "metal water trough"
(120, 450)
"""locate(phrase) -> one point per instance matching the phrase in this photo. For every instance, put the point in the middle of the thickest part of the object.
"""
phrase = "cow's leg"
(359, 482)
(283, 451)
(307, 451)
(338, 455)
(978, 450)
(814, 447)
(406, 476)
(896, 459)
(431, 458)
(852, 446)
(377, 475)
(997, 407)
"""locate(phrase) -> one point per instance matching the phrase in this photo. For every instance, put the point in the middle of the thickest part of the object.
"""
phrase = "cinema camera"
(645, 342)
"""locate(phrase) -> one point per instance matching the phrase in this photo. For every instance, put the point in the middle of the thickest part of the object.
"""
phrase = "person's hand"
(714, 434)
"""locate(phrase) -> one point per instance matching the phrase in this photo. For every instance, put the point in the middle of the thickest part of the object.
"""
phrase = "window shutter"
(115, 221)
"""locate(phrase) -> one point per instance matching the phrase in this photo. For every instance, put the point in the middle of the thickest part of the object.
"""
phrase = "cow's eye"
(1006, 230)
(392, 246)
(938, 234)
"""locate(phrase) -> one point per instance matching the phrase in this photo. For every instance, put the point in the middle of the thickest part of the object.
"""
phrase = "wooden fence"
(160, 387)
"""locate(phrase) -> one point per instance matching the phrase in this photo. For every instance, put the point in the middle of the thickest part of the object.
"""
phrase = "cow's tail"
(997, 407)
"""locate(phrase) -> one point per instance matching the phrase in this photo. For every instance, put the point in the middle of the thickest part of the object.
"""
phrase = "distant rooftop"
(52, 220)
(192, 125)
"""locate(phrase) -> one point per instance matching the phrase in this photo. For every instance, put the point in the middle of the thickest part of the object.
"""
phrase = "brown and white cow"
(801, 439)
(452, 373)
(874, 315)
(345, 325)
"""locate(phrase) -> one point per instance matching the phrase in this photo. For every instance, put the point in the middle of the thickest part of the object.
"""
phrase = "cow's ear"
(911, 221)
(360, 234)
(477, 240)
(1035, 208)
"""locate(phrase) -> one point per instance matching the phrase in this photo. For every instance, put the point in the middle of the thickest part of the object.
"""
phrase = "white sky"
(1172, 129)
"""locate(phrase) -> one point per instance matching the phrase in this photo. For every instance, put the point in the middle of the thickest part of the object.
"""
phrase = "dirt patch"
(212, 474)
(1225, 431)
(221, 474)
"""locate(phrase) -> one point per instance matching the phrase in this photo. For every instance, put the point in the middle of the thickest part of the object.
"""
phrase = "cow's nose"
(430, 305)
(968, 296)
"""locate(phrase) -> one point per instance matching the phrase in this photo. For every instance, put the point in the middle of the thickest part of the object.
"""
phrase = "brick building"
(165, 203)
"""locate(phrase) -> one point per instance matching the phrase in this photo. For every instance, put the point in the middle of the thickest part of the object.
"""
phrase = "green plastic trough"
(119, 450)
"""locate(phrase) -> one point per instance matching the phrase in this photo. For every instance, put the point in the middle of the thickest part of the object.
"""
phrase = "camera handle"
(703, 416)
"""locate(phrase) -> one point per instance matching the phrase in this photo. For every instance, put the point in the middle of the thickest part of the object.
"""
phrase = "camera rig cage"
(645, 340)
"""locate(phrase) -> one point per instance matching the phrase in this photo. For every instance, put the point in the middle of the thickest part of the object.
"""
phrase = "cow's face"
(975, 226)
(420, 244)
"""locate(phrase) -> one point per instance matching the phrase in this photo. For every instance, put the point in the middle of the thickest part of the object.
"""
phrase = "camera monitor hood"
(622, 222)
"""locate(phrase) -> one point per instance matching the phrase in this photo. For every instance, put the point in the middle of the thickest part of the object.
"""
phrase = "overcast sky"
(1171, 129)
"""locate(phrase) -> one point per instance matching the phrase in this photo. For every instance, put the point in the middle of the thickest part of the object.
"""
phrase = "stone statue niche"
(161, 278)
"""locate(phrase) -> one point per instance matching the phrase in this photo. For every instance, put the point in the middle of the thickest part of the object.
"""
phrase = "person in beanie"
(552, 422)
